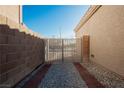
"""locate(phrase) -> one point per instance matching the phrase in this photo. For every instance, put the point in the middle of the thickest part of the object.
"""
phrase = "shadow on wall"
(20, 53)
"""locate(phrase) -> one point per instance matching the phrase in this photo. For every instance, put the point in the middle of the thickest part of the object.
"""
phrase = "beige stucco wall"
(13, 12)
(106, 30)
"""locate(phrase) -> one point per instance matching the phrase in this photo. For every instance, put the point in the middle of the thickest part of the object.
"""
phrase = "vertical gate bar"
(81, 49)
(47, 49)
(57, 51)
(62, 51)
(55, 47)
(53, 50)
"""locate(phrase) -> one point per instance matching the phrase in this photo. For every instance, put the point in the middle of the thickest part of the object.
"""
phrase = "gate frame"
(62, 45)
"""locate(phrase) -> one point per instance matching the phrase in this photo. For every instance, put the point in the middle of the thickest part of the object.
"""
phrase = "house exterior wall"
(106, 30)
(13, 12)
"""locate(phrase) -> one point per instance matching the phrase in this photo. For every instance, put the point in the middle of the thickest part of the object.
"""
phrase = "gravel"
(105, 76)
(62, 75)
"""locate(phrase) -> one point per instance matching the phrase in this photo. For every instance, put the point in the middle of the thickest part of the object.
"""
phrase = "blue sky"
(50, 20)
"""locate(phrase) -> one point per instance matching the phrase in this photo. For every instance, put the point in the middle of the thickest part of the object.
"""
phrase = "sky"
(53, 20)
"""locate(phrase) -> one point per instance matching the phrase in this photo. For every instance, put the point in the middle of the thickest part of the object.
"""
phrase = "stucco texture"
(106, 31)
(13, 12)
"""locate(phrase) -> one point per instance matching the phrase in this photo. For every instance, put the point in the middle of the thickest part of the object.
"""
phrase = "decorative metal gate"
(63, 50)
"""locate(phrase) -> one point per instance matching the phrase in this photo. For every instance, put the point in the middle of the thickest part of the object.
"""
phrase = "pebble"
(105, 76)
(62, 75)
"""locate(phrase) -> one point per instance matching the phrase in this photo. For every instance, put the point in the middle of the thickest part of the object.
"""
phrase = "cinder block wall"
(20, 53)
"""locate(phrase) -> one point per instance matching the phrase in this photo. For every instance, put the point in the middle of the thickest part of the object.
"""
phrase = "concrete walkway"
(62, 75)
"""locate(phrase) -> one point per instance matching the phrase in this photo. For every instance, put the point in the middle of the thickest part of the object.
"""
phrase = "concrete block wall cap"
(92, 9)
(35, 34)
(14, 25)
(23, 30)
(31, 32)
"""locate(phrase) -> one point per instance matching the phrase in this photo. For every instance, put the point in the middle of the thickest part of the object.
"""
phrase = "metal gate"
(63, 50)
